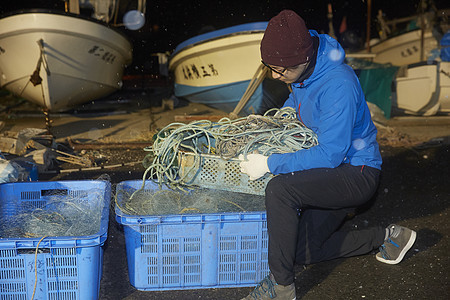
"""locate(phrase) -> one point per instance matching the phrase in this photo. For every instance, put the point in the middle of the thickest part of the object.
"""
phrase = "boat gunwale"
(173, 64)
(127, 56)
(249, 28)
(67, 14)
(390, 38)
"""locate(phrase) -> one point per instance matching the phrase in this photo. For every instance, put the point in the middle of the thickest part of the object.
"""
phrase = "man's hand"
(255, 166)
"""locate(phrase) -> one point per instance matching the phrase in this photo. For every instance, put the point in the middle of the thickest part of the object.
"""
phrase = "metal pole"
(330, 21)
(369, 13)
(422, 29)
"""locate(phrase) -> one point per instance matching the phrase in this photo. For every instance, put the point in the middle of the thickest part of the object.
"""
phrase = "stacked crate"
(63, 267)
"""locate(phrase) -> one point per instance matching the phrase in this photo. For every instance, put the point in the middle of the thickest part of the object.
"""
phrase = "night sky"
(170, 22)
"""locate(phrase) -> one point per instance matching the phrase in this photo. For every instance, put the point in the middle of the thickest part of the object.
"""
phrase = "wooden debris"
(73, 159)
(190, 118)
(8, 145)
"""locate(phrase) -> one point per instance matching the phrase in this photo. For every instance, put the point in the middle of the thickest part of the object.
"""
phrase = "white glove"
(255, 166)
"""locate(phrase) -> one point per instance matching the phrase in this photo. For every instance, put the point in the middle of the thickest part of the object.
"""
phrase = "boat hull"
(424, 89)
(404, 49)
(270, 94)
(217, 70)
(73, 60)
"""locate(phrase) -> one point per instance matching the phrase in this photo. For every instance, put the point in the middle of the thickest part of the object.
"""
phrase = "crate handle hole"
(54, 192)
(33, 250)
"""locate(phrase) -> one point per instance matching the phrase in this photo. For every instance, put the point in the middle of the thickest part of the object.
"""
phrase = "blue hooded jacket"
(332, 104)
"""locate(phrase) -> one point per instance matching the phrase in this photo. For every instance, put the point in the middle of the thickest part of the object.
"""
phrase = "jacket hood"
(330, 54)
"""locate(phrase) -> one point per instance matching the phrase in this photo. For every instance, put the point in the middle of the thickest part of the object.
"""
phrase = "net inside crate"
(51, 209)
(66, 267)
(212, 171)
(194, 250)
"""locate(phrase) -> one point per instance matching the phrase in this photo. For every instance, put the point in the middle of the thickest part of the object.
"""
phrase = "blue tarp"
(445, 47)
(11, 171)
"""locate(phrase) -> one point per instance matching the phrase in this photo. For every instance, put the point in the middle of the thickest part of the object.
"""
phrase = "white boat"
(405, 48)
(216, 68)
(423, 89)
(417, 41)
(60, 60)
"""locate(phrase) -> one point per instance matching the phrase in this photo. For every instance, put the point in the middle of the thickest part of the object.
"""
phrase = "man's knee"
(274, 185)
(279, 192)
(273, 190)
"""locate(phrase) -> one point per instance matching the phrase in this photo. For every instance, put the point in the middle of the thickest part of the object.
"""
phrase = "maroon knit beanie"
(286, 42)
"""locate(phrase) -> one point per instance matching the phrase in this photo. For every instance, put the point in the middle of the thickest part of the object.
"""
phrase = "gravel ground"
(414, 191)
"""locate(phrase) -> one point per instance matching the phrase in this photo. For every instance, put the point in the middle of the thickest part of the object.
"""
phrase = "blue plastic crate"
(68, 268)
(193, 251)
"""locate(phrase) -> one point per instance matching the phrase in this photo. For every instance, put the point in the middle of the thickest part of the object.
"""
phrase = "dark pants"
(324, 197)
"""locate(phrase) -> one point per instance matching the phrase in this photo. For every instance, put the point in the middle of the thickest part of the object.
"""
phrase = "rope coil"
(277, 131)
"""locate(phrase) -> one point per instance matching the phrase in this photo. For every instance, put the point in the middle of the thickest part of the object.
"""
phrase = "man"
(316, 188)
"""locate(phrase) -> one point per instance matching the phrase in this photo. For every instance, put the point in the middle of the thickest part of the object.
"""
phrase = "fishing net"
(58, 214)
(201, 200)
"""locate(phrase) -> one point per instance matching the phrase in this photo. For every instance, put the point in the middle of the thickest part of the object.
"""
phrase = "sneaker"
(269, 289)
(399, 241)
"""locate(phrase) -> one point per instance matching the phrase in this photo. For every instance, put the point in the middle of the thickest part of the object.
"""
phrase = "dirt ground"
(414, 191)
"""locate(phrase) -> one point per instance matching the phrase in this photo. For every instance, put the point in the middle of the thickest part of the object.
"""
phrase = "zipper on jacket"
(298, 111)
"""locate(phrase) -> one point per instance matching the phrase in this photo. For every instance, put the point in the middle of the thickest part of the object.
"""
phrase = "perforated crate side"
(164, 255)
(212, 171)
(243, 254)
(62, 273)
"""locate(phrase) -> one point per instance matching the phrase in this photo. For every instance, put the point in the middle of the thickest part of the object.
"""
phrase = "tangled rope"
(277, 131)
(280, 133)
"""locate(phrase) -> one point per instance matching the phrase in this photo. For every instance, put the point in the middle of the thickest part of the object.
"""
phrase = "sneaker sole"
(408, 246)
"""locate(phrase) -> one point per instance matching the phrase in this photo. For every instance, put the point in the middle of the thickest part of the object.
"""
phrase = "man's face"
(288, 75)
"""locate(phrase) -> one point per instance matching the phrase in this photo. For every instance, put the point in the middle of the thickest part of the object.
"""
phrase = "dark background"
(170, 22)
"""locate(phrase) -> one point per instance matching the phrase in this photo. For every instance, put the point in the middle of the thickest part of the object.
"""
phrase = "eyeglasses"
(273, 70)
(285, 69)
